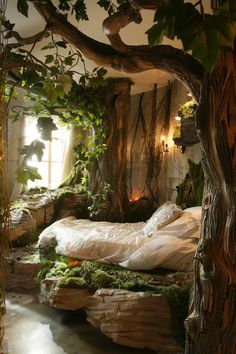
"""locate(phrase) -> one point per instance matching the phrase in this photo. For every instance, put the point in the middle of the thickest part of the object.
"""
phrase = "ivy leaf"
(50, 45)
(45, 126)
(80, 10)
(49, 88)
(66, 82)
(31, 77)
(61, 44)
(49, 59)
(104, 3)
(22, 7)
(64, 5)
(24, 173)
(69, 60)
(35, 148)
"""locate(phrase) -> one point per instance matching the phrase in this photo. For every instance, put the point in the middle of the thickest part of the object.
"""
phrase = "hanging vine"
(152, 130)
(4, 196)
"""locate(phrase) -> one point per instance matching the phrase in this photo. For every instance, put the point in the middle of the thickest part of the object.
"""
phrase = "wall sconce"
(178, 118)
(165, 147)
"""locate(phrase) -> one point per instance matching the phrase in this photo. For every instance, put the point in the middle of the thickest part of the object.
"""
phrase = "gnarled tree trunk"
(211, 325)
(114, 160)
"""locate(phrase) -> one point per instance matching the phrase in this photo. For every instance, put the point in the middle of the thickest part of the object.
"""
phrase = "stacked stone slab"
(135, 319)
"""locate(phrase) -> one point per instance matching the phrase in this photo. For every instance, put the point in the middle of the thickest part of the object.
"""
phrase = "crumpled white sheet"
(172, 247)
(85, 239)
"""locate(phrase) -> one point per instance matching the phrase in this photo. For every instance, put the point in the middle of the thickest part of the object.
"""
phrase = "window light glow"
(50, 168)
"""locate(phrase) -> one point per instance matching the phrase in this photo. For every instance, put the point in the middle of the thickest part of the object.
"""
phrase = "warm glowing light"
(177, 118)
(134, 198)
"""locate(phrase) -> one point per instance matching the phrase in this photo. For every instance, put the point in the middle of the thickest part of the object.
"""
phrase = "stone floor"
(33, 328)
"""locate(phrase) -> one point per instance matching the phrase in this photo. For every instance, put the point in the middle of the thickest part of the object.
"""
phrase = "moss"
(72, 282)
(101, 279)
(175, 286)
(178, 300)
(48, 254)
(188, 109)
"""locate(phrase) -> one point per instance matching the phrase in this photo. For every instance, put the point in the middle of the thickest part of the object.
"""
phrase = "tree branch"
(28, 40)
(114, 23)
(136, 59)
(146, 4)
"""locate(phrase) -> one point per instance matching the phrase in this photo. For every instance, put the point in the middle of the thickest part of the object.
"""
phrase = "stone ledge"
(135, 319)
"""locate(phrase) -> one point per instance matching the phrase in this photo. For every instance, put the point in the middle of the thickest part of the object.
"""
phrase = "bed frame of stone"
(135, 319)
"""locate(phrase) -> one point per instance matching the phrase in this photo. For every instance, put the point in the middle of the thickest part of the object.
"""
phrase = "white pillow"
(164, 252)
(166, 213)
(195, 211)
(184, 226)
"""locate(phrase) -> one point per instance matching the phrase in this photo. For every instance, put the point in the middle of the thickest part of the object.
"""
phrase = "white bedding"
(172, 246)
(85, 239)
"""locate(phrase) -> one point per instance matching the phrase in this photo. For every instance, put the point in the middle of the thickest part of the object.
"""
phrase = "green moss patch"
(175, 286)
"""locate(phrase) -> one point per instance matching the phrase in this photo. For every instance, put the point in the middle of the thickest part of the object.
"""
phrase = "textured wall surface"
(175, 163)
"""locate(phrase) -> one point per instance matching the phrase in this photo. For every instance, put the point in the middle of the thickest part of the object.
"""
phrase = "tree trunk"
(114, 160)
(211, 325)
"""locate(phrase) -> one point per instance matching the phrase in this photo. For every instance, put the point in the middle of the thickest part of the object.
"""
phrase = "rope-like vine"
(4, 195)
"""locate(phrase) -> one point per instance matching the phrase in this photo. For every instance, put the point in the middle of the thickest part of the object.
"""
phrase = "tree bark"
(211, 325)
(114, 160)
(135, 59)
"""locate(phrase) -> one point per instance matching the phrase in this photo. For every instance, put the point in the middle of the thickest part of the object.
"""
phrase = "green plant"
(202, 33)
(99, 200)
(188, 109)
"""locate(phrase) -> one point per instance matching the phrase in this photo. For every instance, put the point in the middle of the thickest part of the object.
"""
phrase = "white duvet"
(172, 247)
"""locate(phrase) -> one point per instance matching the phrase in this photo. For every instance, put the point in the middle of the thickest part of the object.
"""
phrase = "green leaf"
(24, 173)
(69, 60)
(66, 82)
(64, 5)
(22, 7)
(104, 3)
(49, 59)
(155, 34)
(45, 126)
(50, 45)
(49, 88)
(31, 77)
(61, 44)
(35, 148)
(80, 10)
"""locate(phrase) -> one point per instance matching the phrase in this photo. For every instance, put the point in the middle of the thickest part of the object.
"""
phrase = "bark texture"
(126, 58)
(114, 160)
(211, 325)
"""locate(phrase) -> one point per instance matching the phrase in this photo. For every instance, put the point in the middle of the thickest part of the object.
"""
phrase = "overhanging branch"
(136, 59)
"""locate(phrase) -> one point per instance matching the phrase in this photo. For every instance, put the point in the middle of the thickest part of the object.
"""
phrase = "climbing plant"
(52, 92)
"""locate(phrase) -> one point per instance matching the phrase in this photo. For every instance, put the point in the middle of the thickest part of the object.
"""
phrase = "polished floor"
(33, 328)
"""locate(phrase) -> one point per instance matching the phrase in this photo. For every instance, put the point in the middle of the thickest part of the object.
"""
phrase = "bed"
(167, 240)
